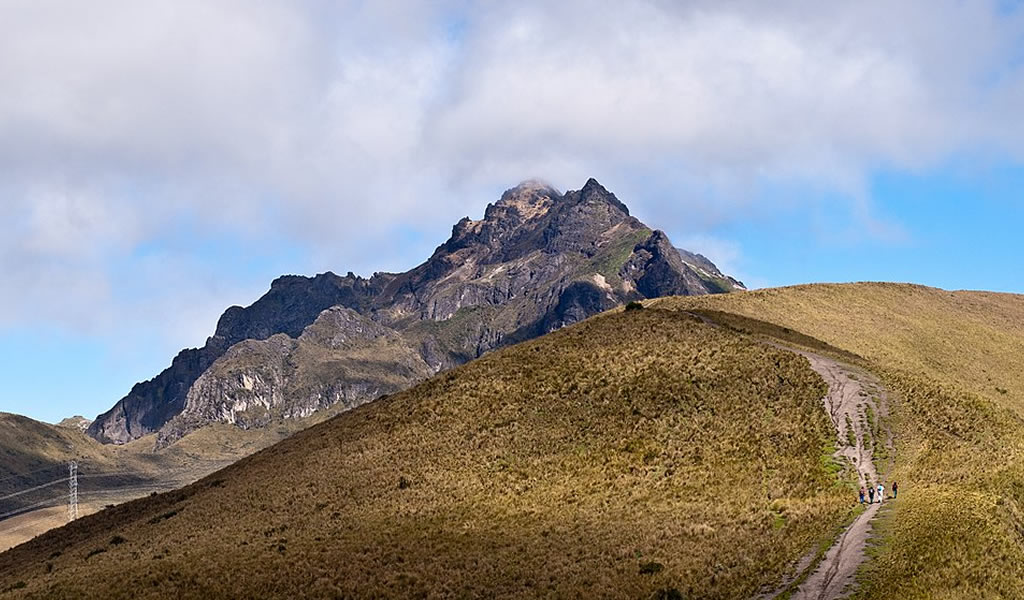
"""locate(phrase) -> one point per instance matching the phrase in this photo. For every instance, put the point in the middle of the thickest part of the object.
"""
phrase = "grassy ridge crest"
(631, 455)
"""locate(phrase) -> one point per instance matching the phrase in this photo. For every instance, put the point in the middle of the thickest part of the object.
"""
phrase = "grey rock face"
(715, 280)
(292, 303)
(537, 261)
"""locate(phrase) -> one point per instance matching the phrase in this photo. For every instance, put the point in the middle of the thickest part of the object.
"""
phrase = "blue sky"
(951, 229)
(159, 163)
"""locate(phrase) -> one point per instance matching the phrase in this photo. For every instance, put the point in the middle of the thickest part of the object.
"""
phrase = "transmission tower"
(72, 491)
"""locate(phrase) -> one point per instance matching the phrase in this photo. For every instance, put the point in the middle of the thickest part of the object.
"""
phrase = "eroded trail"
(855, 402)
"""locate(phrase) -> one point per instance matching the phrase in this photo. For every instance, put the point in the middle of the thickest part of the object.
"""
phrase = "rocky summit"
(537, 261)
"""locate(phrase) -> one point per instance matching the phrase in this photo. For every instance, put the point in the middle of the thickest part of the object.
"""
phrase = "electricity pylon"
(72, 491)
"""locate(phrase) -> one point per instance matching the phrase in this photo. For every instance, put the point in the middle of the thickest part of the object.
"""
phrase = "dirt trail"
(851, 393)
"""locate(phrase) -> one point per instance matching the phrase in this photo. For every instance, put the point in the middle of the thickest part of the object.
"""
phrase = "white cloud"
(331, 125)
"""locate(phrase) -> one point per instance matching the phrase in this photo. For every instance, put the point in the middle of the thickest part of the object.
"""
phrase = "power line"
(125, 490)
(55, 500)
(110, 474)
(63, 479)
(25, 509)
(32, 489)
(76, 476)
(73, 494)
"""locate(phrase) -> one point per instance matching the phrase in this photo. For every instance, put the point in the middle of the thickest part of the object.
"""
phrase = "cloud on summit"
(329, 125)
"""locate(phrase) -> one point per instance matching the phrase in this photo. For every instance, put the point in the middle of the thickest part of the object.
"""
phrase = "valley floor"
(22, 528)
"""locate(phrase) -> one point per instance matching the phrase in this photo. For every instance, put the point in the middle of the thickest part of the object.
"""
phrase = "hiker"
(871, 495)
(881, 492)
(895, 489)
(862, 494)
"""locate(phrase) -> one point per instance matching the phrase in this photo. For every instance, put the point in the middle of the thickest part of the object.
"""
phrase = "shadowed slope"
(632, 453)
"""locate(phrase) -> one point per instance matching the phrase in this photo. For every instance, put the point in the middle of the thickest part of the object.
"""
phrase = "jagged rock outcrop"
(537, 261)
(343, 358)
(292, 303)
(714, 280)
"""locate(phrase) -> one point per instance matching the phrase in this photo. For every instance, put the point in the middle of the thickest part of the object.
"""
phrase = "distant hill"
(537, 261)
(76, 422)
(971, 339)
(34, 458)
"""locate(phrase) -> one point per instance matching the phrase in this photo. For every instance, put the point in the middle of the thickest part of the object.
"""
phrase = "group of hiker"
(879, 492)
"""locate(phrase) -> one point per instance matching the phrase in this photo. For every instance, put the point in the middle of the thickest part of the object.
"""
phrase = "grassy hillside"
(34, 458)
(34, 453)
(955, 361)
(637, 454)
(971, 339)
(30, 445)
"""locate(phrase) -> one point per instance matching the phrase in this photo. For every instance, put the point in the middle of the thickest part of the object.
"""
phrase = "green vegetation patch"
(612, 257)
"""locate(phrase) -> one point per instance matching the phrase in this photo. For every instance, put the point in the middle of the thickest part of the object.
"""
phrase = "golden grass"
(630, 455)
(956, 529)
(971, 339)
(953, 361)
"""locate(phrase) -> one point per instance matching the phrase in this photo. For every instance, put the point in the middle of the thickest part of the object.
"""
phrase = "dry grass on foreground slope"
(628, 456)
(955, 361)
(34, 457)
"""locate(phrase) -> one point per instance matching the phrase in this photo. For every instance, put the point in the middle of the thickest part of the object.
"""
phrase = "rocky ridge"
(537, 261)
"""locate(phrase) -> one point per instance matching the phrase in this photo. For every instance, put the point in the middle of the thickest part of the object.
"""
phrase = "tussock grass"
(640, 454)
(956, 529)
(953, 362)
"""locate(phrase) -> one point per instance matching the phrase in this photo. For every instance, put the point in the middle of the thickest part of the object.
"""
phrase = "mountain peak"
(593, 191)
(77, 422)
(537, 261)
(533, 185)
(529, 199)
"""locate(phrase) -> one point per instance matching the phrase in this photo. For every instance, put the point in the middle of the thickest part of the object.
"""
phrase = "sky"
(161, 161)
